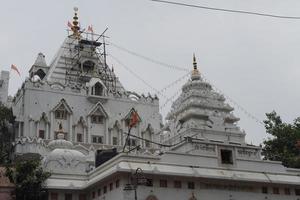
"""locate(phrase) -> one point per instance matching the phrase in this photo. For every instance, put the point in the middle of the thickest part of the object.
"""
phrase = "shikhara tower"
(79, 95)
(68, 110)
(200, 112)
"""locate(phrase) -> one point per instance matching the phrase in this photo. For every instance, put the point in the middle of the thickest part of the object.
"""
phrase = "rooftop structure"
(76, 106)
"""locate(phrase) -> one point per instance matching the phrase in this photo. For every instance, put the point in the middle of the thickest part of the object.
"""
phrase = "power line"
(228, 10)
(161, 92)
(148, 59)
(138, 77)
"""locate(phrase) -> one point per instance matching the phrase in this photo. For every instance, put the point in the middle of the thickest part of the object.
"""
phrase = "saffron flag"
(90, 28)
(134, 119)
(69, 24)
(14, 67)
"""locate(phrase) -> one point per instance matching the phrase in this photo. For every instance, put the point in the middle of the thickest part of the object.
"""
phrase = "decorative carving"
(205, 147)
(247, 153)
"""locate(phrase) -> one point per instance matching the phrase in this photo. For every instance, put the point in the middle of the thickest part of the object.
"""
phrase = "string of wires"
(183, 69)
(228, 10)
(157, 143)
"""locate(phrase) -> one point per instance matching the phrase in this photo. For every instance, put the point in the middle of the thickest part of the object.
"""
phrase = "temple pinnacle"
(195, 72)
(194, 61)
(75, 28)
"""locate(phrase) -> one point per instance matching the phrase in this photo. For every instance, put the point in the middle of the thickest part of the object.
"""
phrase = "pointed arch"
(98, 109)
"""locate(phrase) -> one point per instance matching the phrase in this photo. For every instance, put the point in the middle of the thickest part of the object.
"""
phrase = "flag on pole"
(134, 119)
(14, 67)
(69, 24)
(90, 28)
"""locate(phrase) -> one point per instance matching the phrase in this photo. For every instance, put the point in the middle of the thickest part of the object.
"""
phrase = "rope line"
(228, 10)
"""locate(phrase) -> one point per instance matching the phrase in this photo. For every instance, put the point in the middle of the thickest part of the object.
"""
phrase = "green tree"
(28, 177)
(6, 134)
(282, 145)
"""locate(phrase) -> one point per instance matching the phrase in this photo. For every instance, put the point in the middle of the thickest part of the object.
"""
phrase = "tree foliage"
(6, 133)
(28, 177)
(282, 146)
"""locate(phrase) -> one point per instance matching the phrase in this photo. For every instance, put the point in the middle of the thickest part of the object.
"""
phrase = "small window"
(115, 141)
(275, 190)
(131, 142)
(111, 186)
(104, 190)
(147, 144)
(93, 195)
(297, 192)
(149, 182)
(287, 191)
(97, 119)
(177, 184)
(54, 196)
(79, 137)
(97, 89)
(117, 183)
(264, 190)
(61, 113)
(68, 196)
(82, 197)
(226, 156)
(99, 192)
(97, 139)
(191, 185)
(163, 183)
(42, 134)
(88, 66)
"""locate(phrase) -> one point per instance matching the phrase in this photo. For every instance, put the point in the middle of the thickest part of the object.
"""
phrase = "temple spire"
(75, 28)
(195, 72)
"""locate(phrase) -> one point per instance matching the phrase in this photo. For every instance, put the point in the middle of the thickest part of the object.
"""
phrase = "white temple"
(76, 105)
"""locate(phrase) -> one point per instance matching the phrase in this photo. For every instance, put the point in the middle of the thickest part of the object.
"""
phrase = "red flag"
(69, 24)
(134, 119)
(90, 28)
(14, 67)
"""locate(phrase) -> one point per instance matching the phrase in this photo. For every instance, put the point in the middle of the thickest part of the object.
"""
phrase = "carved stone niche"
(247, 153)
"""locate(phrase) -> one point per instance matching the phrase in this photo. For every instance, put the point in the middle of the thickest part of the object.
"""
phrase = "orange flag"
(90, 28)
(134, 119)
(14, 67)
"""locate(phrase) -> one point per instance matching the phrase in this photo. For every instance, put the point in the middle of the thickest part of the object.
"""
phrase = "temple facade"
(74, 107)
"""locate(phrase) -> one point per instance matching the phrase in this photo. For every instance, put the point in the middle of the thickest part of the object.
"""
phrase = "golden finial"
(195, 73)
(75, 28)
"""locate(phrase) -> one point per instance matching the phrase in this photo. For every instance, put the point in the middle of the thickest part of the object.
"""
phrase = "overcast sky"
(254, 60)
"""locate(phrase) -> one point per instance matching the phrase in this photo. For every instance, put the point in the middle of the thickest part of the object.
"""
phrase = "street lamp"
(136, 179)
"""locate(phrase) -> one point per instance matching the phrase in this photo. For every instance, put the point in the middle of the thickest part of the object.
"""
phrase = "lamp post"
(136, 179)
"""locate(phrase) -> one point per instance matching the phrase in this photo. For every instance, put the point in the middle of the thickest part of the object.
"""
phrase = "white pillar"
(19, 131)
(51, 134)
(88, 135)
(37, 129)
(47, 136)
(70, 128)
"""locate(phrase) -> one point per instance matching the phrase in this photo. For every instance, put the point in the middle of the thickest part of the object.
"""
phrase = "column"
(88, 135)
(70, 128)
(51, 134)
(37, 128)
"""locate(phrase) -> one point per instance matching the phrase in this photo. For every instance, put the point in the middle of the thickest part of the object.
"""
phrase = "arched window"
(40, 73)
(88, 66)
(98, 89)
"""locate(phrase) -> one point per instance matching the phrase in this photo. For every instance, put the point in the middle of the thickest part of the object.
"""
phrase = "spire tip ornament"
(195, 72)
(75, 24)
